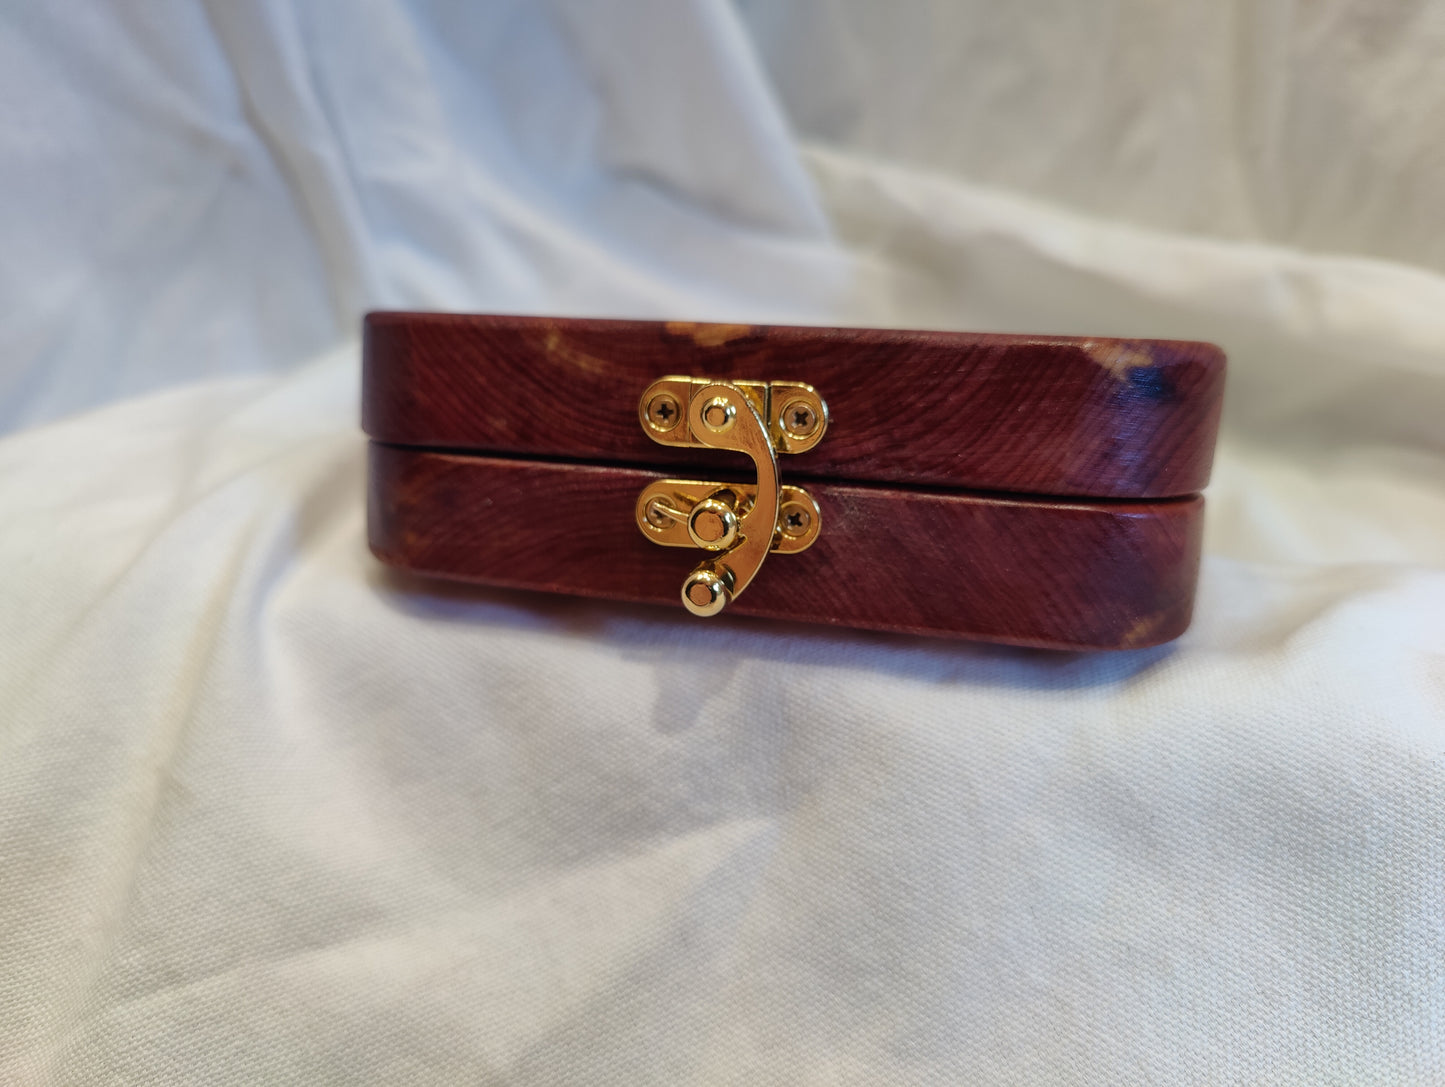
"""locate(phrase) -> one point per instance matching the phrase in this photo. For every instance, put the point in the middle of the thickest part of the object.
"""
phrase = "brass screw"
(795, 519)
(718, 413)
(799, 418)
(664, 412)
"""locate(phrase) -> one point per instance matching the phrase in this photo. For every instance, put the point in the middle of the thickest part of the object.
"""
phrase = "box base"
(1048, 573)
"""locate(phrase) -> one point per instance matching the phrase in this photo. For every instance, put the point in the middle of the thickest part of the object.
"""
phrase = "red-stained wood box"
(1040, 491)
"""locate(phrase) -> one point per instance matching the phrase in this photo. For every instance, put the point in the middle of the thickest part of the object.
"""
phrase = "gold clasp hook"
(741, 523)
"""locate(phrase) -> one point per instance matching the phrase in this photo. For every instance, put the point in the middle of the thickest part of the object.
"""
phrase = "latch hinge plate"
(795, 415)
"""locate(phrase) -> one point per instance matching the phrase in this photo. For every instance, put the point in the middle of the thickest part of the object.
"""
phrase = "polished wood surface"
(1034, 572)
(1038, 415)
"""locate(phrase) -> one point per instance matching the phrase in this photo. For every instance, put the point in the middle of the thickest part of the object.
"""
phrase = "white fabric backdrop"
(269, 814)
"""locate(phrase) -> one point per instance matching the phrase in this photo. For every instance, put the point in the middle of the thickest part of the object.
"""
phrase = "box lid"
(1068, 416)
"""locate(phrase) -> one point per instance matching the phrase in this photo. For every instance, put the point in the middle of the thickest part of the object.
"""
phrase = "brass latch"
(742, 523)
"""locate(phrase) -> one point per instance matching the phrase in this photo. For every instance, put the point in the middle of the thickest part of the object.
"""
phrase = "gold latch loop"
(739, 523)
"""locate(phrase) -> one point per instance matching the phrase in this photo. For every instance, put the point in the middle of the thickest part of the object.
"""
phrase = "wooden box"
(1039, 491)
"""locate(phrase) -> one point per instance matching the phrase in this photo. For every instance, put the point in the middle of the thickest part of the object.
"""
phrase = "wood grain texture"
(1053, 574)
(1038, 415)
